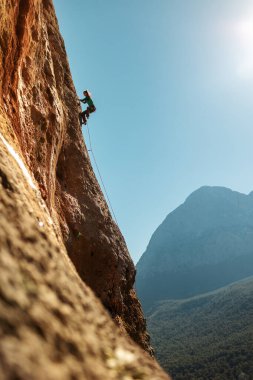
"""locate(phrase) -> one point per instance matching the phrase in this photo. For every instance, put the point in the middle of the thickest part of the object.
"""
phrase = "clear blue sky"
(173, 84)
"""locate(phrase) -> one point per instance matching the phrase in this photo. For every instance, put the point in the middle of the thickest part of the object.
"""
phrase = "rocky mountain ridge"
(202, 245)
(51, 324)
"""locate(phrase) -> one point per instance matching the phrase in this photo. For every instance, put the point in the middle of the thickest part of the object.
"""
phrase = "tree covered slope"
(208, 336)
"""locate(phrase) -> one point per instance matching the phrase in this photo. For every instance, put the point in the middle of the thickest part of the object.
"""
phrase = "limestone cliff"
(51, 324)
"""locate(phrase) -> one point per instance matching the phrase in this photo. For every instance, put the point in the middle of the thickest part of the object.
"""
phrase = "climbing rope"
(100, 176)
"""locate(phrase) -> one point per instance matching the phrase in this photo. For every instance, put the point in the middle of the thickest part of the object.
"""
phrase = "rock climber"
(83, 116)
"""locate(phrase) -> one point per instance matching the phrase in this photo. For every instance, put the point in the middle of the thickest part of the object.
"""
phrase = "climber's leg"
(87, 113)
(82, 118)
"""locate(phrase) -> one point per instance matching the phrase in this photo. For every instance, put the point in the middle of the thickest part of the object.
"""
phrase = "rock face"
(51, 324)
(204, 244)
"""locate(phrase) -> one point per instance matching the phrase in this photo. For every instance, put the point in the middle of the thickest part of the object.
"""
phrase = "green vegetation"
(206, 337)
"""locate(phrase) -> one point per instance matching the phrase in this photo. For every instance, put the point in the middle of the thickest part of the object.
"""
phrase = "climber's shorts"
(91, 109)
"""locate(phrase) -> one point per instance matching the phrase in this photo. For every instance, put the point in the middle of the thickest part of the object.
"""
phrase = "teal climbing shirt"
(88, 100)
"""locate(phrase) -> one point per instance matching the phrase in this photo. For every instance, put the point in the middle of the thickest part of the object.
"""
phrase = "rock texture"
(204, 244)
(51, 324)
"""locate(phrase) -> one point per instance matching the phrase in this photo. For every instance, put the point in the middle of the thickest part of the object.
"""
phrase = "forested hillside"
(206, 337)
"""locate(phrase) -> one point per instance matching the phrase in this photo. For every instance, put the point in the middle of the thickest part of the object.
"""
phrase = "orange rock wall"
(39, 106)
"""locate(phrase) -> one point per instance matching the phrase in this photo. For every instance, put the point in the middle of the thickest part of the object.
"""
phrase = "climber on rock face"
(83, 116)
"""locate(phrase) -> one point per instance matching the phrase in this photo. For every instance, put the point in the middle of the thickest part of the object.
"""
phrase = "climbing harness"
(100, 176)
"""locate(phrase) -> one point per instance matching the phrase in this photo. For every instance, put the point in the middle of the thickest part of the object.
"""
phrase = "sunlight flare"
(243, 30)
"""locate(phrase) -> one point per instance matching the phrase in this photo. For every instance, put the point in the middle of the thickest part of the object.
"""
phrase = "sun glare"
(245, 31)
(244, 40)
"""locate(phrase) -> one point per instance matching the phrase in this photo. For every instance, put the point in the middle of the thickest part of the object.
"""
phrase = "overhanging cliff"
(50, 199)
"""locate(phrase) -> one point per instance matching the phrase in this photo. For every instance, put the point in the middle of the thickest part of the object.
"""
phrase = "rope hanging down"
(100, 176)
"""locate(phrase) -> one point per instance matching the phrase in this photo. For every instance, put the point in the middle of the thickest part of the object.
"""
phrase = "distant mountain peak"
(204, 244)
(214, 191)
